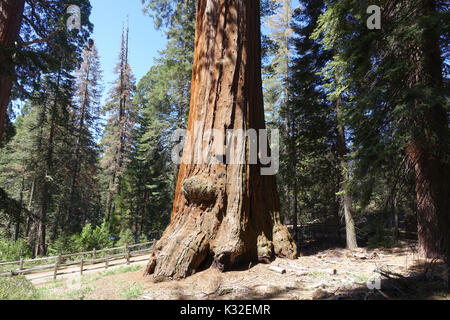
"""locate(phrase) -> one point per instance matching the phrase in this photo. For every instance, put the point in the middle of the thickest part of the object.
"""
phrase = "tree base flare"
(234, 230)
(182, 252)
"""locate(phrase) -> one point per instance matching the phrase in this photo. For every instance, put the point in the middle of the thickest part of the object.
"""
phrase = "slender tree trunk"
(346, 199)
(58, 222)
(396, 233)
(17, 226)
(45, 195)
(294, 176)
(30, 202)
(79, 145)
(109, 201)
(143, 212)
(11, 12)
(295, 215)
(237, 218)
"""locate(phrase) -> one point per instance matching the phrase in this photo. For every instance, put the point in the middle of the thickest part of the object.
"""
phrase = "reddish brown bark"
(432, 201)
(11, 12)
(237, 219)
(429, 147)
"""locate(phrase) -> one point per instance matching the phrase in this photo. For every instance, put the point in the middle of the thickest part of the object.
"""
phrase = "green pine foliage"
(314, 120)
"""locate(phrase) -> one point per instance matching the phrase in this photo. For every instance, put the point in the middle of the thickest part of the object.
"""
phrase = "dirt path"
(331, 274)
(74, 272)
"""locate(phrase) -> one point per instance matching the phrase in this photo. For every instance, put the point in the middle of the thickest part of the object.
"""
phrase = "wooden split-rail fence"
(318, 231)
(83, 259)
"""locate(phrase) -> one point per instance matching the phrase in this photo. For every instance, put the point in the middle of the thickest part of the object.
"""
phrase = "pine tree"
(28, 31)
(80, 197)
(152, 160)
(53, 99)
(118, 137)
(276, 78)
(315, 120)
(18, 162)
(177, 21)
(398, 104)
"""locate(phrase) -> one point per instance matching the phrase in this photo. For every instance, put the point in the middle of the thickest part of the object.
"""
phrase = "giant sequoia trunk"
(11, 12)
(223, 214)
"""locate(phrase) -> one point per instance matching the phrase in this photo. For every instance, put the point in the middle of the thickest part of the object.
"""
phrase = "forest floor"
(334, 274)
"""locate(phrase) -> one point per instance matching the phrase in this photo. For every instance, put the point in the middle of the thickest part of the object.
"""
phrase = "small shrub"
(143, 239)
(13, 251)
(376, 231)
(62, 245)
(17, 288)
(380, 241)
(78, 294)
(317, 275)
(121, 270)
(92, 238)
(131, 292)
(126, 237)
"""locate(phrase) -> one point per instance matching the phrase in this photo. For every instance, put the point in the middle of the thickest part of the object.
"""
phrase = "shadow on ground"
(425, 281)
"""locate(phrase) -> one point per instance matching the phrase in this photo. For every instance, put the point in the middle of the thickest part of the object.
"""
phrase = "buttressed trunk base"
(223, 214)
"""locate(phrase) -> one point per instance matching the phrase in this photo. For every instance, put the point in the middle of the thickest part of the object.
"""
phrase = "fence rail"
(317, 231)
(61, 263)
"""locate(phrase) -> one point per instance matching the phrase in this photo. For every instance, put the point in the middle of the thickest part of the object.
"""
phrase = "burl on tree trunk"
(223, 215)
(11, 12)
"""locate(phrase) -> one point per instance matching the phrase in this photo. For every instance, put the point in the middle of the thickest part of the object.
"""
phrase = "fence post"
(127, 254)
(94, 254)
(106, 261)
(58, 261)
(82, 266)
(21, 264)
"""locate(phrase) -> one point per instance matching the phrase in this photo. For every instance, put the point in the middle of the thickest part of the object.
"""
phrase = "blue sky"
(108, 17)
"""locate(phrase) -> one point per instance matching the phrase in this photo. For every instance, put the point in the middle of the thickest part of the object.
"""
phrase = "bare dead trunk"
(11, 12)
(237, 220)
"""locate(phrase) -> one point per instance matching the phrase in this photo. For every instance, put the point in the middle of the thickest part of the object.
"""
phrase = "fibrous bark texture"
(11, 12)
(428, 148)
(223, 214)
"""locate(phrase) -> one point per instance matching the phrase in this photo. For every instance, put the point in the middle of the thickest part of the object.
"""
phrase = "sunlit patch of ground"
(330, 274)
